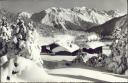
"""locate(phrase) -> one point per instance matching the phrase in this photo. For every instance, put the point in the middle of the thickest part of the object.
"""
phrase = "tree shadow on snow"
(79, 77)
(56, 65)
(116, 75)
(49, 64)
(84, 66)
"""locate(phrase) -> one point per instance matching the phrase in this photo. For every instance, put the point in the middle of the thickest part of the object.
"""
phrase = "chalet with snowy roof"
(60, 48)
(94, 47)
(65, 48)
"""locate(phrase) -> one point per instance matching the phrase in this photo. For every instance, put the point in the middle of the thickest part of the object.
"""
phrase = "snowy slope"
(80, 71)
(87, 74)
(30, 71)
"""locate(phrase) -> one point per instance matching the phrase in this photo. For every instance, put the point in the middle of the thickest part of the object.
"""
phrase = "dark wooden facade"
(97, 50)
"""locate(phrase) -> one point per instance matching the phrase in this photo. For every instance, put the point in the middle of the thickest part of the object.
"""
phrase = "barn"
(94, 47)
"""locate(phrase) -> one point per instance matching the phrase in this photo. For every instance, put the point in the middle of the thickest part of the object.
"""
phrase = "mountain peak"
(81, 17)
(25, 14)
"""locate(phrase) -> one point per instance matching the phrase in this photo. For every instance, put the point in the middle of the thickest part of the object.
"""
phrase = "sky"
(38, 5)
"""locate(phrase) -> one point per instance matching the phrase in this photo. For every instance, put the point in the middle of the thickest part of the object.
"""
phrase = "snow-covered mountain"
(25, 14)
(77, 18)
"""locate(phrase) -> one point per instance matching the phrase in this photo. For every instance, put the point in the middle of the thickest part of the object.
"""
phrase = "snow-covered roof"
(69, 46)
(95, 44)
